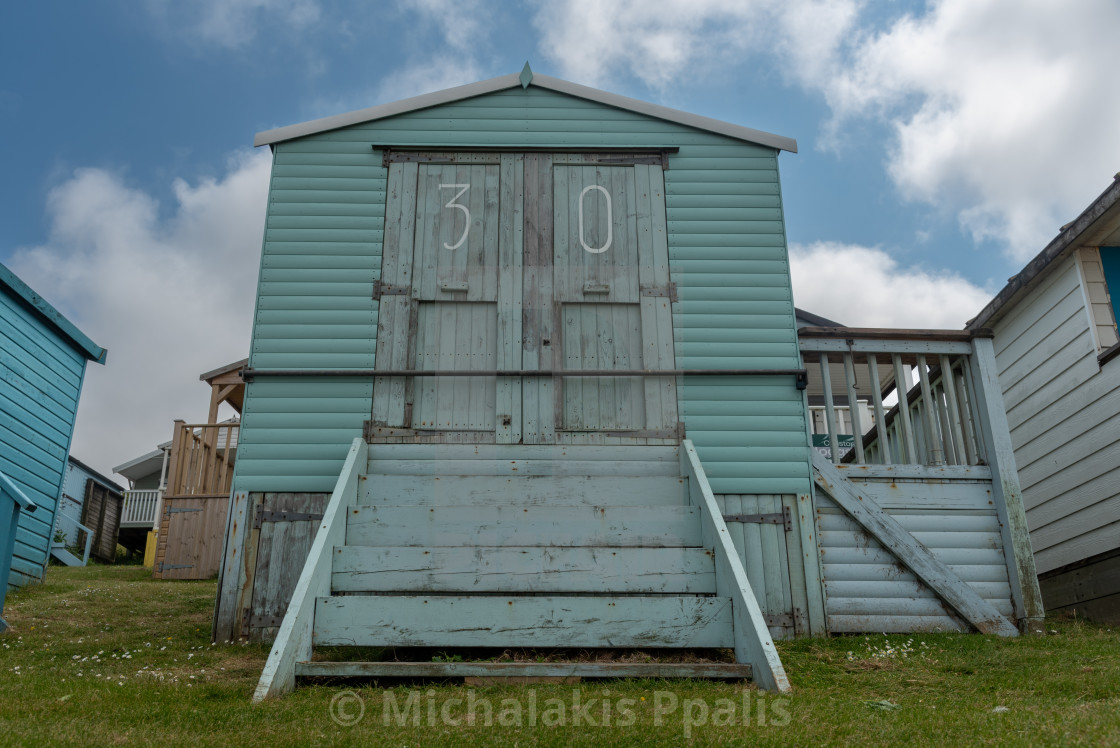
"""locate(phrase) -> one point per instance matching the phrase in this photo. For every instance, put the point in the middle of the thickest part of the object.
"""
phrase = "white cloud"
(865, 287)
(169, 297)
(1002, 112)
(234, 23)
(667, 42)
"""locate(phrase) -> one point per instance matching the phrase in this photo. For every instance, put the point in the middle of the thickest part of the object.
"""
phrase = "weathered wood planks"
(518, 569)
(509, 525)
(419, 621)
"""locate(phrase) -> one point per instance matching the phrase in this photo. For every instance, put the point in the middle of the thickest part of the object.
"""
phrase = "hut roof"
(523, 80)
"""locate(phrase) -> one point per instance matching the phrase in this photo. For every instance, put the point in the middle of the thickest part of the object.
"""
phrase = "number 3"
(466, 212)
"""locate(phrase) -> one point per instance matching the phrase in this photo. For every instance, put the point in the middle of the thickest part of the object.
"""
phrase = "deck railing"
(140, 508)
(202, 457)
(922, 390)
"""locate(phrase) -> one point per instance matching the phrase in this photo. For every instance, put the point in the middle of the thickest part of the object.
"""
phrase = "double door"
(522, 266)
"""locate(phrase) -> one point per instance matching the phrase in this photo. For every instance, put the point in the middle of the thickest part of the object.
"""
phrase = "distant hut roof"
(50, 316)
(1098, 224)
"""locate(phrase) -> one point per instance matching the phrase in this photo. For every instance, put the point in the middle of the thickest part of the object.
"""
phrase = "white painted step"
(524, 489)
(511, 525)
(497, 621)
(513, 570)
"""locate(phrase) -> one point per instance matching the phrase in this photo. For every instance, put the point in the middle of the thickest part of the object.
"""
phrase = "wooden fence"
(202, 457)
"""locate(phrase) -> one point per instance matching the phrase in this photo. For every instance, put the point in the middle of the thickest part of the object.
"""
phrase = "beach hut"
(526, 372)
(44, 357)
(1058, 355)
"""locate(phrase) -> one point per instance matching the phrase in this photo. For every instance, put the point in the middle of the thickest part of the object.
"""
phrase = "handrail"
(139, 506)
(80, 527)
(753, 642)
(801, 376)
(293, 642)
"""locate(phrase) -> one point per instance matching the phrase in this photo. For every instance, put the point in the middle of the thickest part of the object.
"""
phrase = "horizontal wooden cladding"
(724, 214)
(524, 490)
(508, 525)
(502, 569)
(419, 621)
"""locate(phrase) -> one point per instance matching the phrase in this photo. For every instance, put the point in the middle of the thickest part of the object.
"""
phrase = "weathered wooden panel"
(1090, 588)
(518, 672)
(455, 335)
(509, 525)
(282, 527)
(602, 336)
(191, 538)
(558, 466)
(609, 490)
(614, 570)
(417, 621)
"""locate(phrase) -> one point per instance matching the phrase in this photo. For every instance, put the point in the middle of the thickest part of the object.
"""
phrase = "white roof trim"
(501, 83)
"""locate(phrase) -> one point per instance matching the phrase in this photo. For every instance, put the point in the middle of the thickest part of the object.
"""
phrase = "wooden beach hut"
(1058, 356)
(43, 359)
(525, 372)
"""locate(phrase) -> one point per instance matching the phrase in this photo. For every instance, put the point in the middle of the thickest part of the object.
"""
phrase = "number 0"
(466, 212)
(610, 219)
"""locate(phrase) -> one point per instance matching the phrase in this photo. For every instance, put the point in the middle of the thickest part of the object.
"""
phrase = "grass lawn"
(105, 656)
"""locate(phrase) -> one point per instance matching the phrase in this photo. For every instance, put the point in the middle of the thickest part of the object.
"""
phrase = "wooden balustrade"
(202, 458)
(920, 385)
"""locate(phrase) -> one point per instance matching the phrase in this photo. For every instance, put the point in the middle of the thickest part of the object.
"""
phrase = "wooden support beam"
(1006, 492)
(919, 559)
(753, 643)
(293, 642)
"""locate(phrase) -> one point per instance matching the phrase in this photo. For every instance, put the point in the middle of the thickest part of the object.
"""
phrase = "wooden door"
(532, 262)
(191, 535)
(612, 299)
(450, 298)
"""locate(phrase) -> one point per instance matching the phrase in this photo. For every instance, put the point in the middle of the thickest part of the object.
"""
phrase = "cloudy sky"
(942, 144)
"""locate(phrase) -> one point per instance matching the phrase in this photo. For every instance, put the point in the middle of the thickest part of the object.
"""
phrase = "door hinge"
(259, 621)
(266, 515)
(784, 620)
(384, 289)
(667, 290)
(181, 509)
(784, 517)
(168, 567)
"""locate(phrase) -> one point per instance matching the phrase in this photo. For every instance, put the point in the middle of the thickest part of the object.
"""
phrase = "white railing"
(69, 533)
(139, 508)
(922, 389)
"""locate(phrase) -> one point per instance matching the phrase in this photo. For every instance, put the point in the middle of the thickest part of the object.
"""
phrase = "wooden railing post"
(996, 436)
(176, 462)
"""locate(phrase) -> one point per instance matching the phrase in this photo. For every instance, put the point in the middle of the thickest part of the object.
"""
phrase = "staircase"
(521, 546)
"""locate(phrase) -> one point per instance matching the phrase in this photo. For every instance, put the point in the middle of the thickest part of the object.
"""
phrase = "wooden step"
(604, 490)
(512, 621)
(509, 525)
(712, 670)
(505, 452)
(522, 467)
(497, 569)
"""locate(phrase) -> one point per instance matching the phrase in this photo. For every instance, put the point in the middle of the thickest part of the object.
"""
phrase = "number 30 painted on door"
(583, 242)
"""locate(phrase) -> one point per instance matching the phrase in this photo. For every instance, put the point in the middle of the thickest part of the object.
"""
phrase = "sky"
(942, 144)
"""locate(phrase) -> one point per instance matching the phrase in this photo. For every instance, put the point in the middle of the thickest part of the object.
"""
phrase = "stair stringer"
(293, 642)
(753, 643)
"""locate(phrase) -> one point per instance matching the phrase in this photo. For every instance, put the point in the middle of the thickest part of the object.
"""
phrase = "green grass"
(106, 656)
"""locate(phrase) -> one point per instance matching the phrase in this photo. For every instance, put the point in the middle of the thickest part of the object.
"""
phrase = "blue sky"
(942, 144)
